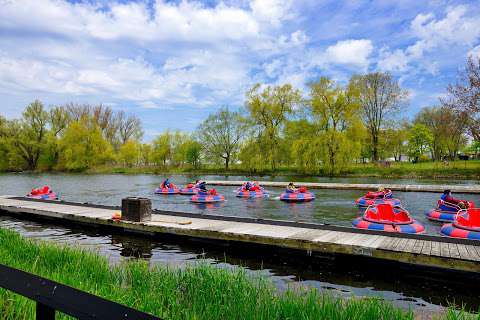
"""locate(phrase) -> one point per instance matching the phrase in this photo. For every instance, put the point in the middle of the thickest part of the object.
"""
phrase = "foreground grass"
(200, 292)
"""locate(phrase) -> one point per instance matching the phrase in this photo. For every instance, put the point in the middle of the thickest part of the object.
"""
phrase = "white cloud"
(393, 61)
(351, 52)
(272, 11)
(458, 28)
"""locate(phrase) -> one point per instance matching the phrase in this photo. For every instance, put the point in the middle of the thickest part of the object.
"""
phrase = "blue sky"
(174, 62)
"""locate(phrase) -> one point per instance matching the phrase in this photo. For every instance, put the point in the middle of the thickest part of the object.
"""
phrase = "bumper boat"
(172, 190)
(445, 211)
(381, 197)
(44, 193)
(207, 197)
(189, 190)
(466, 225)
(384, 217)
(301, 195)
(255, 191)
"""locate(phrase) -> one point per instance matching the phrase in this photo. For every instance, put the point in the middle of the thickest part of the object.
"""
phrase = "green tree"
(83, 146)
(146, 152)
(395, 142)
(269, 110)
(380, 97)
(28, 136)
(221, 135)
(162, 148)
(336, 110)
(419, 141)
(129, 153)
(193, 153)
(302, 137)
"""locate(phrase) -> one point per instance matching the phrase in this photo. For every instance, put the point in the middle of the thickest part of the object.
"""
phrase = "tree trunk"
(227, 161)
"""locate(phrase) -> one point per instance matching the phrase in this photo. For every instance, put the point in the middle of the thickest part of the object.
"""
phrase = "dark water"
(402, 287)
(330, 206)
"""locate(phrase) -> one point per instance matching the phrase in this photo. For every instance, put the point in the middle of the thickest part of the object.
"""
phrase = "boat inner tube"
(297, 196)
(384, 217)
(167, 191)
(466, 225)
(189, 190)
(256, 192)
(364, 202)
(207, 197)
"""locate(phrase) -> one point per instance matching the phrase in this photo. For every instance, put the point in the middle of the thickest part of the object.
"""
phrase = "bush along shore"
(195, 292)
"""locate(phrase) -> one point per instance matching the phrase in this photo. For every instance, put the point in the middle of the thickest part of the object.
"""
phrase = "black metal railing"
(51, 296)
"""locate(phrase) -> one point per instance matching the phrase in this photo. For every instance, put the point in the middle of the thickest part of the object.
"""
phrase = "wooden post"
(44, 312)
(136, 209)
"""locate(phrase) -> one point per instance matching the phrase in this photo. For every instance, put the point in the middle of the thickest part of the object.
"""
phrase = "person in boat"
(380, 193)
(248, 186)
(291, 188)
(193, 184)
(165, 184)
(202, 186)
(447, 197)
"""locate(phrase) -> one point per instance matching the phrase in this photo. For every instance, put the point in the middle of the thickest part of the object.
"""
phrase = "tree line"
(323, 130)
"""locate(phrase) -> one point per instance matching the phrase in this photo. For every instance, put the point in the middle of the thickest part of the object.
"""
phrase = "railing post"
(44, 312)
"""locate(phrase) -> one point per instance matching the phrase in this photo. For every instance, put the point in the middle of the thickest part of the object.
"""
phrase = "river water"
(330, 206)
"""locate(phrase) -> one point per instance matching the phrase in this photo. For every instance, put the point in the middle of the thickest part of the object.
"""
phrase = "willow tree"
(221, 135)
(380, 97)
(269, 110)
(336, 109)
(83, 146)
(28, 135)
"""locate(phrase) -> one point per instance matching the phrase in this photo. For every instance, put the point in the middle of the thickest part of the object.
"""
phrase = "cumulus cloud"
(350, 52)
(456, 29)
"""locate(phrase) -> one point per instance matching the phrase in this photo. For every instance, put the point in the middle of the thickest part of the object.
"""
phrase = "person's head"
(447, 192)
(197, 181)
(381, 188)
(290, 184)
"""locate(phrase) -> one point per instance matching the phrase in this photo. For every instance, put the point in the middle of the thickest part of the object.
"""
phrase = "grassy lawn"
(454, 169)
(200, 292)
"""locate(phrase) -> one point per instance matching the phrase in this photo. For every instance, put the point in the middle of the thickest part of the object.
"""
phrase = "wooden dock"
(422, 250)
(475, 189)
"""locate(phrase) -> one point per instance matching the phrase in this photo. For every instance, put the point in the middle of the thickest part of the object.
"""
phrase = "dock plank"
(429, 251)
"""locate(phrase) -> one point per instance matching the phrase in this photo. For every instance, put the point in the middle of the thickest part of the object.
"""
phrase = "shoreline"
(437, 175)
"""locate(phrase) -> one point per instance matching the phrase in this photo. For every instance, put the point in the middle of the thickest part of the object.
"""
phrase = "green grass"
(454, 169)
(195, 292)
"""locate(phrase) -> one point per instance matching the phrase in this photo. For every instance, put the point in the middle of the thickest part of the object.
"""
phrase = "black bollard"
(136, 209)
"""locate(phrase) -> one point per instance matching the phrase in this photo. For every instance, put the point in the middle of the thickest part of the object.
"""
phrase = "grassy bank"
(201, 292)
(455, 169)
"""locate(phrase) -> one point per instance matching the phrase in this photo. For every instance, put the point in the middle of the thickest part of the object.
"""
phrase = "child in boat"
(291, 188)
(447, 197)
(380, 193)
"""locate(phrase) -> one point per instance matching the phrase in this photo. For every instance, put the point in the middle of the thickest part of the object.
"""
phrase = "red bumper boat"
(384, 217)
(466, 225)
(446, 211)
(44, 193)
(378, 197)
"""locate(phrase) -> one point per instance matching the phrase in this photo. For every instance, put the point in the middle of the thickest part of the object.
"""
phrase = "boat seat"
(385, 212)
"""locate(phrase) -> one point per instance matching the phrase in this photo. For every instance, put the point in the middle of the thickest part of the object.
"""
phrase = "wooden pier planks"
(436, 253)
